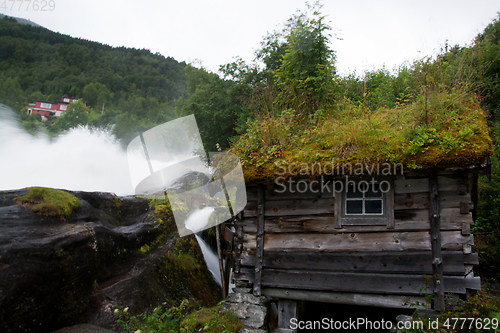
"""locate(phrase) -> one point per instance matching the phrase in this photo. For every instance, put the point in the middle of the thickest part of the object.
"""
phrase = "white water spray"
(211, 259)
(198, 219)
(81, 159)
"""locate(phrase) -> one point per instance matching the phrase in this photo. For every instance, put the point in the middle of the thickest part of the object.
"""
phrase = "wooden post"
(287, 309)
(259, 251)
(437, 259)
(221, 263)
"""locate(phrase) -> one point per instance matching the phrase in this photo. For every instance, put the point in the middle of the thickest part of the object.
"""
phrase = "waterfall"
(211, 259)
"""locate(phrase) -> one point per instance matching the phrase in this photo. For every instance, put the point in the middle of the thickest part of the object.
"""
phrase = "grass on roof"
(447, 129)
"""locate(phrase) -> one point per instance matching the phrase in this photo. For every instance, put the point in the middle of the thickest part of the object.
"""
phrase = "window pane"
(354, 192)
(373, 206)
(354, 207)
(373, 191)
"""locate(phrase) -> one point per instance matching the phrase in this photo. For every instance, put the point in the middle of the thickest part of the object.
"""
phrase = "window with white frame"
(365, 202)
(46, 105)
(364, 199)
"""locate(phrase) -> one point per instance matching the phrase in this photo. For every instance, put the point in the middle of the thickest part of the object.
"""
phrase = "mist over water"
(82, 159)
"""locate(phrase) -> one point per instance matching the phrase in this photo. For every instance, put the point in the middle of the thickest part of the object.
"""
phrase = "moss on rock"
(49, 202)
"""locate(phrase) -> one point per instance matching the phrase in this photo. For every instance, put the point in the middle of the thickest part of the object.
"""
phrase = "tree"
(96, 94)
(215, 103)
(77, 114)
(306, 76)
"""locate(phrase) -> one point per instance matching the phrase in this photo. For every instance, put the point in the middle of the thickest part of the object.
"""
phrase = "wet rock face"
(53, 272)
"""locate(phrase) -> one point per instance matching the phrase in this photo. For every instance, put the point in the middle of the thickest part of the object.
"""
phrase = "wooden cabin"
(393, 245)
(317, 228)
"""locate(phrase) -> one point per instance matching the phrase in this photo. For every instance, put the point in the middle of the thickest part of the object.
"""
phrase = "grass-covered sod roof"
(445, 129)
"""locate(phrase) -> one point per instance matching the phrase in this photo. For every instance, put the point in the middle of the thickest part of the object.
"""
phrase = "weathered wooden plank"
(448, 199)
(307, 189)
(228, 235)
(452, 220)
(452, 199)
(287, 309)
(390, 208)
(454, 215)
(383, 301)
(221, 261)
(351, 282)
(389, 262)
(403, 201)
(452, 183)
(471, 259)
(404, 284)
(447, 215)
(465, 229)
(259, 253)
(414, 215)
(337, 224)
(455, 241)
(411, 185)
(437, 258)
(293, 207)
(459, 285)
(351, 242)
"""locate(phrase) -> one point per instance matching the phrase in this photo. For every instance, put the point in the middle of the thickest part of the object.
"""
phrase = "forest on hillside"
(132, 89)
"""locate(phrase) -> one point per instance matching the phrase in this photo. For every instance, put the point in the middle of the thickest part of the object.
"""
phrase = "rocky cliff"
(111, 252)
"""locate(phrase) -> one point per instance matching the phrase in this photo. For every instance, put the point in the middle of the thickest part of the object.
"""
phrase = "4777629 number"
(28, 5)
(471, 323)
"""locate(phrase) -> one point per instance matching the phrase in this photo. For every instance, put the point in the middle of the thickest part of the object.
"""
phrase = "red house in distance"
(46, 109)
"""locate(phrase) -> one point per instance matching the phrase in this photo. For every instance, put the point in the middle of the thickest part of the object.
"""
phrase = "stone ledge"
(246, 298)
(251, 315)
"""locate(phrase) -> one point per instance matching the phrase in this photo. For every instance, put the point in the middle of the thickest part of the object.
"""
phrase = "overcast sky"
(212, 32)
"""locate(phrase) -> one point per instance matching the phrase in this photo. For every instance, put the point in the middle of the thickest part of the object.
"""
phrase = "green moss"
(211, 320)
(49, 202)
(208, 320)
(449, 129)
(185, 270)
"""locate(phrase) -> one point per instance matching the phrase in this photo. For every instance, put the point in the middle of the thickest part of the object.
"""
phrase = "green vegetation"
(49, 202)
(288, 107)
(129, 88)
(481, 308)
(173, 320)
(456, 133)
(183, 265)
(193, 293)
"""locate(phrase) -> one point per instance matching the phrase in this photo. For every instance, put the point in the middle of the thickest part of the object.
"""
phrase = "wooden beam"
(259, 253)
(362, 262)
(418, 221)
(411, 185)
(221, 262)
(293, 207)
(381, 301)
(437, 259)
(355, 242)
(391, 284)
(287, 309)
(390, 208)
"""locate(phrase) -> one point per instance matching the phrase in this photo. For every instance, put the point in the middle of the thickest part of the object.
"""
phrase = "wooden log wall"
(302, 249)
